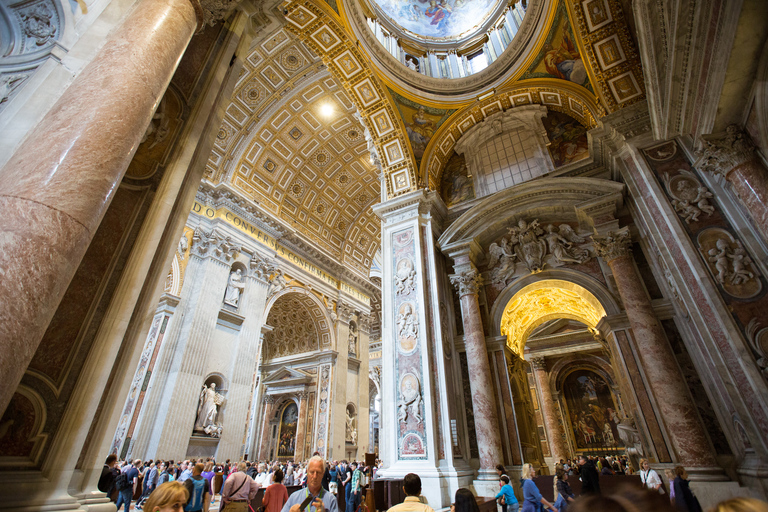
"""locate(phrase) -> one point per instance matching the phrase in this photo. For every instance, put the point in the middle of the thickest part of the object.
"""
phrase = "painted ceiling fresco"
(438, 18)
(560, 57)
(420, 121)
(567, 137)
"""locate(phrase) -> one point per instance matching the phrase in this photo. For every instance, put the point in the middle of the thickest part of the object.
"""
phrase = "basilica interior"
(455, 234)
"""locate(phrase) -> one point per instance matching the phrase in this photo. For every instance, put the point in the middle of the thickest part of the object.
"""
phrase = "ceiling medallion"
(297, 188)
(295, 133)
(269, 165)
(342, 178)
(321, 208)
(322, 158)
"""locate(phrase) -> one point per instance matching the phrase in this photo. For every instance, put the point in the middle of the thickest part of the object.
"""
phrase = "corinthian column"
(665, 382)
(734, 156)
(549, 410)
(57, 186)
(467, 281)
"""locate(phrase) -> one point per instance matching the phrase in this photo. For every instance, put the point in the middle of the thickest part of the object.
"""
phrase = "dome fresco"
(437, 18)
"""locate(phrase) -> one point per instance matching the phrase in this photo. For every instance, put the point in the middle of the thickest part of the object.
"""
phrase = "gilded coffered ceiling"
(543, 301)
(291, 142)
(299, 326)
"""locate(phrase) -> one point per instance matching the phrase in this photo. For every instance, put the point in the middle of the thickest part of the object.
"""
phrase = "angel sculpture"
(561, 244)
(525, 239)
(502, 261)
(702, 200)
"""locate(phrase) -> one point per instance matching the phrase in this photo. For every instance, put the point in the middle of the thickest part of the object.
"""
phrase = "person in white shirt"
(263, 477)
(650, 478)
(412, 503)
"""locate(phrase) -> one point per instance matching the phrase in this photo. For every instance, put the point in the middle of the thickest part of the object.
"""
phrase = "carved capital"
(613, 245)
(467, 282)
(539, 363)
(268, 399)
(723, 154)
(261, 268)
(214, 245)
(210, 12)
(302, 395)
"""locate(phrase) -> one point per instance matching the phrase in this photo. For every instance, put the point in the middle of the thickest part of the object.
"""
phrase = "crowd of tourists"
(192, 485)
(124, 480)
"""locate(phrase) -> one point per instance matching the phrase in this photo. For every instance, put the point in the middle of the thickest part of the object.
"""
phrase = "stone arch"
(593, 294)
(300, 324)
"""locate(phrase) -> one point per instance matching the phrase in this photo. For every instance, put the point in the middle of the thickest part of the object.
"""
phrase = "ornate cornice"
(214, 245)
(720, 155)
(613, 245)
(467, 282)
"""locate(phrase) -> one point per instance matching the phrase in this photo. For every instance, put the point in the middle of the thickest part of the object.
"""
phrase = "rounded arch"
(222, 383)
(564, 367)
(300, 324)
(592, 292)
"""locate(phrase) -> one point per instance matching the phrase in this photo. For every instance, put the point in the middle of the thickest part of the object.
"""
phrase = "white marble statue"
(351, 431)
(208, 409)
(352, 341)
(235, 287)
(409, 403)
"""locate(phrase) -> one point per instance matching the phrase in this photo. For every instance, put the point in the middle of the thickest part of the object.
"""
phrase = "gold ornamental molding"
(321, 31)
(547, 300)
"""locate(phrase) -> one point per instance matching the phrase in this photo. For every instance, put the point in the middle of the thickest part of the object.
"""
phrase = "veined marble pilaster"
(338, 405)
(269, 402)
(301, 426)
(240, 390)
(664, 379)
(549, 409)
(172, 416)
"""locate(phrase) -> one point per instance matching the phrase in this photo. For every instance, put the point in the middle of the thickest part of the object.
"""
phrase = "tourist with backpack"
(199, 490)
(126, 483)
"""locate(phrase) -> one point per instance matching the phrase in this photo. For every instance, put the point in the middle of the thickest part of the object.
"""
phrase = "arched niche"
(300, 324)
(531, 300)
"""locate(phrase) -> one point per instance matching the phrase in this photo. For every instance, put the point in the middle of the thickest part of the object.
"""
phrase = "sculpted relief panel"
(534, 247)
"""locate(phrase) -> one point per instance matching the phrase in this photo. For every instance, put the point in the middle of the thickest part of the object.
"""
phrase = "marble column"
(60, 181)
(735, 157)
(467, 281)
(549, 411)
(665, 381)
(301, 426)
(269, 403)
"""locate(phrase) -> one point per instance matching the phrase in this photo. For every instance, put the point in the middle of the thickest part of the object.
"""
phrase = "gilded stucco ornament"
(721, 155)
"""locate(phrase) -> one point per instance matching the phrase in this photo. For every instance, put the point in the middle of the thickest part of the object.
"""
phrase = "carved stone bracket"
(467, 282)
(364, 322)
(214, 244)
(723, 154)
(345, 311)
(261, 268)
(613, 245)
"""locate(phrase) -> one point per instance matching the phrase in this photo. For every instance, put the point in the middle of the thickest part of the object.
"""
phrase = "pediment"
(287, 377)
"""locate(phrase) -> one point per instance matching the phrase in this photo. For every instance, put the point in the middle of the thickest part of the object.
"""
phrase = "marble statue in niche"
(405, 277)
(208, 409)
(409, 402)
(351, 431)
(352, 340)
(183, 246)
(689, 197)
(235, 287)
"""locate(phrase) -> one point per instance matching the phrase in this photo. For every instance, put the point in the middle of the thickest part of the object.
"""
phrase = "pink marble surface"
(483, 399)
(60, 181)
(750, 182)
(549, 410)
(264, 446)
(301, 427)
(664, 379)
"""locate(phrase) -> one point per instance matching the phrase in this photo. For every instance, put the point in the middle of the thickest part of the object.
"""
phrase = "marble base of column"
(60, 181)
(750, 182)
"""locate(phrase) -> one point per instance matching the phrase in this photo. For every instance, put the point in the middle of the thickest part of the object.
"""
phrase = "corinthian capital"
(213, 244)
(209, 12)
(344, 311)
(539, 363)
(365, 322)
(614, 244)
(261, 267)
(467, 282)
(721, 155)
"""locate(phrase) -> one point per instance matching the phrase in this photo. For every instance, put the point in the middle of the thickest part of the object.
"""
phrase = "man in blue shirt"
(131, 480)
(321, 500)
